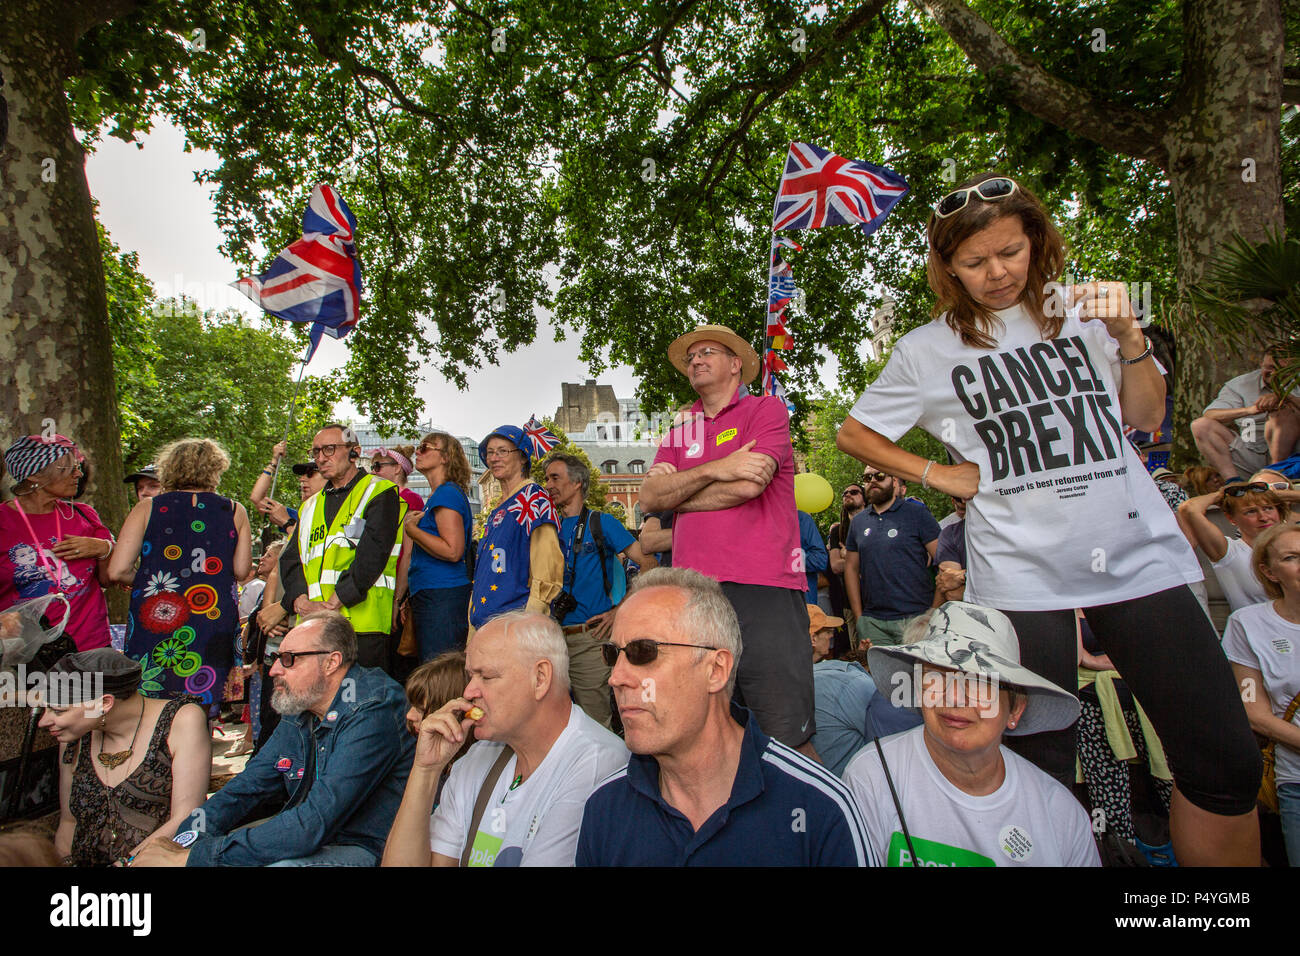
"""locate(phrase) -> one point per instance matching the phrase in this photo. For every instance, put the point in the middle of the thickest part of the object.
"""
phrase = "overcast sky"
(150, 204)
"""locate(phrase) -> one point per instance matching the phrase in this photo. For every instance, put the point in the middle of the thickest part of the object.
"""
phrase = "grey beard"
(286, 704)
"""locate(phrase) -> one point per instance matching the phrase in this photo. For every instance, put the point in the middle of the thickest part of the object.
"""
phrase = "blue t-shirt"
(952, 544)
(582, 577)
(428, 571)
(501, 569)
(894, 565)
(842, 690)
(815, 556)
(784, 810)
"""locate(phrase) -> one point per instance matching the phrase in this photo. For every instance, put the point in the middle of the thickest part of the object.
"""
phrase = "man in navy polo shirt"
(891, 544)
(595, 590)
(704, 786)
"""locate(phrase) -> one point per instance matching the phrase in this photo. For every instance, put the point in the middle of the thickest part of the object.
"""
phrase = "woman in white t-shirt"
(1251, 507)
(1263, 643)
(1030, 397)
(948, 793)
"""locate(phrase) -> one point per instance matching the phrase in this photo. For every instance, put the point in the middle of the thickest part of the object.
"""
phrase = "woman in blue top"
(440, 534)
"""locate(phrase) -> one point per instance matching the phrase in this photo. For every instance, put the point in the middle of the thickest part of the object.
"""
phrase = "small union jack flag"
(819, 188)
(540, 437)
(529, 507)
(318, 278)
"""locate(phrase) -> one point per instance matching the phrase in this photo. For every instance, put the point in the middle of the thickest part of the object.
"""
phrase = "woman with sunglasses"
(48, 543)
(1029, 386)
(1251, 507)
(440, 535)
(395, 465)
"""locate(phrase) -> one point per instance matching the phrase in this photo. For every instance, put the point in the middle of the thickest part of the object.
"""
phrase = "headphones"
(353, 453)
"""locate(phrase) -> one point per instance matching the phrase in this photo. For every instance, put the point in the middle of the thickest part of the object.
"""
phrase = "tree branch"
(1053, 100)
(763, 93)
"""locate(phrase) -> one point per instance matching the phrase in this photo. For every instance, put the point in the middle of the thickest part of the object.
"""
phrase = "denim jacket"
(363, 757)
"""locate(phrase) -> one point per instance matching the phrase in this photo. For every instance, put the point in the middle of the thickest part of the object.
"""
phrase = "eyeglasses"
(382, 464)
(287, 658)
(426, 446)
(1236, 490)
(499, 452)
(875, 476)
(325, 451)
(705, 352)
(989, 190)
(641, 651)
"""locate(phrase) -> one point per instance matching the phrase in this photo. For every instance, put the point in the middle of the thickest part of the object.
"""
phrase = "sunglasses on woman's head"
(641, 651)
(989, 190)
(1237, 490)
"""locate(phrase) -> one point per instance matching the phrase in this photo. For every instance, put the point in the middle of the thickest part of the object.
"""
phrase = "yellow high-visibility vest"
(326, 552)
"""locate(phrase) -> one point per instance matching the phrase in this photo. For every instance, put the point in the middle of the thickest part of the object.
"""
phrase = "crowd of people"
(588, 695)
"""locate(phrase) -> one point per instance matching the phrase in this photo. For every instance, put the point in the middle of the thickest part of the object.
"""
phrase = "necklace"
(115, 760)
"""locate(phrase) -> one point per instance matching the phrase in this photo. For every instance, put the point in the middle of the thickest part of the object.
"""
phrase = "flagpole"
(293, 403)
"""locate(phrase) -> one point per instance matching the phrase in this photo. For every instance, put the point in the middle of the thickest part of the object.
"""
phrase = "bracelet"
(924, 474)
(268, 472)
(110, 548)
(1134, 361)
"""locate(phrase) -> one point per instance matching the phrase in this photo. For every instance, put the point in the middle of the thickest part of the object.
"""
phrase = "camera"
(563, 605)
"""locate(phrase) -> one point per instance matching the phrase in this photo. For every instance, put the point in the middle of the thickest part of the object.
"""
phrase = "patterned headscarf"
(31, 453)
(403, 462)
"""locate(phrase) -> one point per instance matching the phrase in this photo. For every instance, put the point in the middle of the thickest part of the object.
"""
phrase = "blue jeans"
(1288, 806)
(342, 855)
(441, 619)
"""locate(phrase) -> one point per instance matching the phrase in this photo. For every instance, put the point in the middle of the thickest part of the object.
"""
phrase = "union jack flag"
(529, 507)
(819, 188)
(318, 278)
(540, 437)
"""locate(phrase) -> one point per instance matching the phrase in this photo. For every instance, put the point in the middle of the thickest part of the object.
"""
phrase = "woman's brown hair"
(1199, 477)
(458, 472)
(968, 318)
(192, 463)
(1233, 505)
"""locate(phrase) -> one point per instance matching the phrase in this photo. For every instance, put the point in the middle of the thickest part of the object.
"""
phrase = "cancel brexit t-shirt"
(1065, 515)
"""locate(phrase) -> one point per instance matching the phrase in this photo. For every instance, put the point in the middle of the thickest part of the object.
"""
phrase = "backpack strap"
(897, 806)
(598, 535)
(484, 795)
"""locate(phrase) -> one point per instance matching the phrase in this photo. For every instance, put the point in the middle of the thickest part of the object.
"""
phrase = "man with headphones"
(343, 553)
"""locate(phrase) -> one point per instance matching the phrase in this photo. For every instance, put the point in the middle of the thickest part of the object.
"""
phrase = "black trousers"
(1168, 653)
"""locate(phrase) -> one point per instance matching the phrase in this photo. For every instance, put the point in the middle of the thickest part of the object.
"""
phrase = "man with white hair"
(516, 797)
(704, 786)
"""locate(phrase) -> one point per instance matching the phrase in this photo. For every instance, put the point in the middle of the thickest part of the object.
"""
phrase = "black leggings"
(1169, 656)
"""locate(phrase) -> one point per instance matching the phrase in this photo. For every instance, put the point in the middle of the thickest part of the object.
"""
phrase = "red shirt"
(756, 542)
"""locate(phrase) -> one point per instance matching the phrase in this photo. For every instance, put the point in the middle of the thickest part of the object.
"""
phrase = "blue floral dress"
(184, 606)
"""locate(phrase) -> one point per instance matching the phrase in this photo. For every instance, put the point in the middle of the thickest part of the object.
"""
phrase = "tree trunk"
(1224, 159)
(54, 333)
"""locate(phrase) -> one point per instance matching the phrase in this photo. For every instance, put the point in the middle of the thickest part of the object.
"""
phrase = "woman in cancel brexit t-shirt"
(1030, 398)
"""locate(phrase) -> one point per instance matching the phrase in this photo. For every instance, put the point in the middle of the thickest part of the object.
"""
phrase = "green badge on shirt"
(931, 853)
(486, 848)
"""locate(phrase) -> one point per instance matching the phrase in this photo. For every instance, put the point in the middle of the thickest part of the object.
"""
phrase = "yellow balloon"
(812, 493)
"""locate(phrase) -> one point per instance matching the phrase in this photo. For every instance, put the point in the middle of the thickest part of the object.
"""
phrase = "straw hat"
(715, 333)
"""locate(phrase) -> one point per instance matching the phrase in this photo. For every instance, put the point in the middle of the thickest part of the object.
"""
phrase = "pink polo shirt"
(753, 543)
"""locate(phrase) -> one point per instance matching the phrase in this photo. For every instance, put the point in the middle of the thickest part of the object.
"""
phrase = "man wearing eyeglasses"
(728, 473)
(340, 757)
(705, 786)
(344, 550)
(891, 545)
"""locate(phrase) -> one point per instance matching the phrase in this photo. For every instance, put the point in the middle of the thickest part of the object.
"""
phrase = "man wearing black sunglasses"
(340, 755)
(704, 786)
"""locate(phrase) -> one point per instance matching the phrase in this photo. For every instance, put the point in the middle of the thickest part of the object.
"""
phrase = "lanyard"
(55, 572)
(576, 540)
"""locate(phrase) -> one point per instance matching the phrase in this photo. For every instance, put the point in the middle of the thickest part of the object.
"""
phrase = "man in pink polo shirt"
(728, 472)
